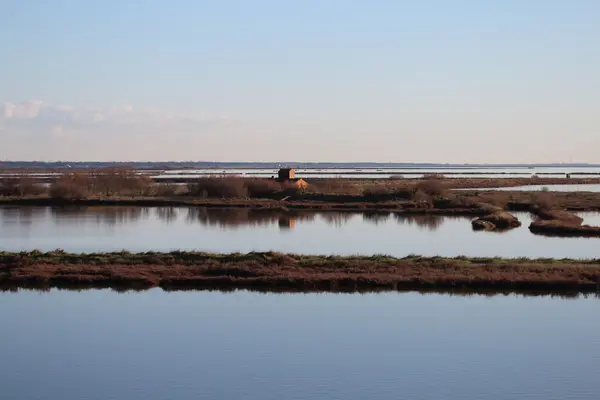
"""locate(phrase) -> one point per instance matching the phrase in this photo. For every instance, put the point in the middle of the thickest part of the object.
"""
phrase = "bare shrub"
(334, 186)
(542, 201)
(223, 187)
(432, 187)
(169, 189)
(8, 187)
(289, 189)
(404, 193)
(421, 196)
(263, 187)
(121, 181)
(499, 199)
(375, 191)
(21, 186)
(463, 201)
(71, 187)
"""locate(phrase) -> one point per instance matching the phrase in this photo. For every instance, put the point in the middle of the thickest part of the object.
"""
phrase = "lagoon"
(114, 228)
(100, 344)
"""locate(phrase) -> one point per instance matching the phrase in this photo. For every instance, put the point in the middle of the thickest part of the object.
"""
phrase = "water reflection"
(167, 214)
(111, 216)
(337, 219)
(240, 230)
(23, 216)
(237, 217)
(229, 218)
(157, 345)
(430, 222)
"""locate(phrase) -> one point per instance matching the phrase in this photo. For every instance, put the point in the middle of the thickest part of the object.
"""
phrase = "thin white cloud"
(38, 115)
(38, 130)
(24, 110)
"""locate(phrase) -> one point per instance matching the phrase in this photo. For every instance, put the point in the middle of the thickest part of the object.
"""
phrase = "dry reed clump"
(217, 186)
(169, 190)
(263, 187)
(542, 200)
(73, 186)
(421, 196)
(334, 186)
(376, 191)
(235, 187)
(20, 187)
(120, 182)
(431, 187)
(102, 182)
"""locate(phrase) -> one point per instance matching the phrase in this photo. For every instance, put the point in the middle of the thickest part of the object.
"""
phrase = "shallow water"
(89, 229)
(588, 187)
(369, 173)
(467, 171)
(98, 345)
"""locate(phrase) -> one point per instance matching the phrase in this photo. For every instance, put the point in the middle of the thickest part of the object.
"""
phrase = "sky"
(457, 81)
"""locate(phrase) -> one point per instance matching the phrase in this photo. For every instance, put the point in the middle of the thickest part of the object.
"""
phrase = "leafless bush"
(421, 196)
(169, 189)
(542, 200)
(290, 189)
(120, 181)
(222, 187)
(21, 186)
(432, 187)
(334, 186)
(71, 187)
(262, 187)
(375, 191)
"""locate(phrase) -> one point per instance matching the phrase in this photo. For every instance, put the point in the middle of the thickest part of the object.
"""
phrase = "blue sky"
(330, 80)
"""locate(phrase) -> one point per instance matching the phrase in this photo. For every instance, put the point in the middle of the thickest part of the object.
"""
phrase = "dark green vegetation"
(276, 271)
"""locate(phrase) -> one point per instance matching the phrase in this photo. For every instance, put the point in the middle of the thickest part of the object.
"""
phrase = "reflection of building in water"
(286, 222)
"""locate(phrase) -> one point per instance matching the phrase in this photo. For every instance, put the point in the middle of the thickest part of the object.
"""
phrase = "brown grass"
(21, 186)
(559, 228)
(523, 201)
(278, 271)
(428, 193)
(220, 187)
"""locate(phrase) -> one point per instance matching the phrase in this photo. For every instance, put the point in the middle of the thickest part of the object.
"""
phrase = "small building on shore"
(288, 175)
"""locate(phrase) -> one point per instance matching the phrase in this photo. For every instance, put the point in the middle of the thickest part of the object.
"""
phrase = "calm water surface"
(588, 187)
(388, 172)
(99, 345)
(229, 230)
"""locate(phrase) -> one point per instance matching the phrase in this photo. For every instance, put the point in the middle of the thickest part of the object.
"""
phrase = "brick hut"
(288, 175)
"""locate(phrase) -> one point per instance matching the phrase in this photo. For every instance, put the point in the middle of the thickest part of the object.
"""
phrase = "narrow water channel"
(232, 230)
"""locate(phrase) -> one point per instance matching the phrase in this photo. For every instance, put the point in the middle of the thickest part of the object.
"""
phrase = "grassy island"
(292, 272)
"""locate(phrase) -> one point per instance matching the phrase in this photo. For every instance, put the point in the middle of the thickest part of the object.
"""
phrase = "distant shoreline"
(272, 165)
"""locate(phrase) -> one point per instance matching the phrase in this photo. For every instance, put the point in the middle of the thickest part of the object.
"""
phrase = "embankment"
(401, 206)
(290, 272)
(561, 223)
